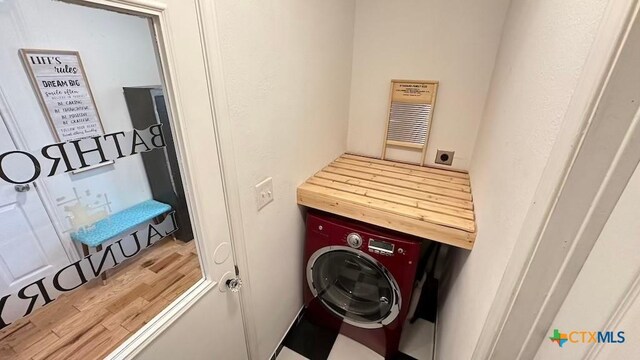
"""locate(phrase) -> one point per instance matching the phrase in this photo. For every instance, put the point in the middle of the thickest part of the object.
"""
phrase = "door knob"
(22, 188)
(234, 284)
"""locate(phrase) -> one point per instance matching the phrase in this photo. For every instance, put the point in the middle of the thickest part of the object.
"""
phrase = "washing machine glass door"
(354, 286)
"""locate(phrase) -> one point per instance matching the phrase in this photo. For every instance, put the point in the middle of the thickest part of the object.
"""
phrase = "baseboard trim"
(276, 351)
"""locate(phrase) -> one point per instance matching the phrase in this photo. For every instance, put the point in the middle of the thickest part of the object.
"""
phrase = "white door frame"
(223, 124)
(225, 162)
(596, 153)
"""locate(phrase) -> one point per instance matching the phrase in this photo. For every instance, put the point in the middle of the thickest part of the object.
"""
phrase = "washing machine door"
(354, 286)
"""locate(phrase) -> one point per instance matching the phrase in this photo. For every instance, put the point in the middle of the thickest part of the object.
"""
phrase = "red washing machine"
(359, 279)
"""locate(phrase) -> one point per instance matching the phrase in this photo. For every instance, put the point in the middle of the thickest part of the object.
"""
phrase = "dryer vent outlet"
(444, 157)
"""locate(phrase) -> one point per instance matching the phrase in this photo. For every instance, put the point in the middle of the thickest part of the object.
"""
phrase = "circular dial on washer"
(354, 240)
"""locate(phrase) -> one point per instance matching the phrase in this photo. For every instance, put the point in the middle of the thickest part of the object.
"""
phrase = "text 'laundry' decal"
(45, 290)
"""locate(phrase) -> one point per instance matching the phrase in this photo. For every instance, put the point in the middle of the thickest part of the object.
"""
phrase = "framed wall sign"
(61, 85)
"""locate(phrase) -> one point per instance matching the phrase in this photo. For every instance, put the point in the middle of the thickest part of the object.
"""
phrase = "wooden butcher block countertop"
(432, 203)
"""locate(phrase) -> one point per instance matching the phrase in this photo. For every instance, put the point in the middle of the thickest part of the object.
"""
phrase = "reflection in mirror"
(97, 237)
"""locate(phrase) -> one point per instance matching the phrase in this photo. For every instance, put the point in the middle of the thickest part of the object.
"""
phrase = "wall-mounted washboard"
(411, 107)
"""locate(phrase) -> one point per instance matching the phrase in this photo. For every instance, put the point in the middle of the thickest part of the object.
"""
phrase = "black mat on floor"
(309, 340)
(403, 356)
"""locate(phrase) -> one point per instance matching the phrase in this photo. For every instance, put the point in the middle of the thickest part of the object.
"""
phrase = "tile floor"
(305, 341)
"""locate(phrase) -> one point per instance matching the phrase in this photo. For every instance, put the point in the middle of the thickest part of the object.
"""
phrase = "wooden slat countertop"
(432, 203)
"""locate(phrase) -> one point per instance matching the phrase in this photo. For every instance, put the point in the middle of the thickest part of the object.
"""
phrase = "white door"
(212, 326)
(29, 247)
(208, 324)
(206, 321)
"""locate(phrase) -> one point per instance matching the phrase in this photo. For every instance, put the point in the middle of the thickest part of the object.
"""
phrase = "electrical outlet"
(264, 193)
(444, 157)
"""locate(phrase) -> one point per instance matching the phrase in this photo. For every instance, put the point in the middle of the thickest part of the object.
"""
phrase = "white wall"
(116, 51)
(630, 324)
(454, 42)
(606, 278)
(543, 50)
(287, 70)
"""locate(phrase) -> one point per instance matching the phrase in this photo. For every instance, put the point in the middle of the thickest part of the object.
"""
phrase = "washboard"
(411, 106)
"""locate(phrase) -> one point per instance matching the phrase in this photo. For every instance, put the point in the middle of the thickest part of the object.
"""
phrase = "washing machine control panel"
(381, 247)
(354, 240)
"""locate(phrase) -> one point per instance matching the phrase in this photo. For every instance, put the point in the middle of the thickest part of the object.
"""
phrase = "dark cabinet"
(147, 107)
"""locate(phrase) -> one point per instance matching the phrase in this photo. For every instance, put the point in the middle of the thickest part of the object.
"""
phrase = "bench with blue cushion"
(116, 224)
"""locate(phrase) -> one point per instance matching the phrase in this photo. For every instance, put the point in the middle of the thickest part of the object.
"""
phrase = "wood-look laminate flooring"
(93, 320)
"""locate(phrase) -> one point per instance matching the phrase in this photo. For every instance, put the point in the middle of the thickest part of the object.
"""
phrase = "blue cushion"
(117, 223)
